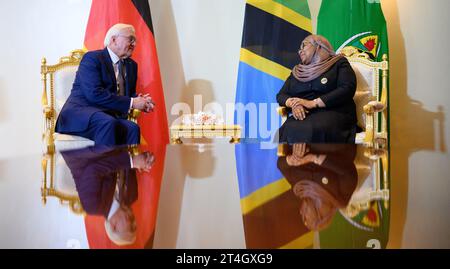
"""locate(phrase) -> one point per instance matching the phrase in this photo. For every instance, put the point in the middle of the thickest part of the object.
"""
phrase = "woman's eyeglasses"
(305, 44)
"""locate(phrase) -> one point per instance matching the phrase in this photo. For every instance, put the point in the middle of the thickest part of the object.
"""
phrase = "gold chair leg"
(176, 141)
(235, 140)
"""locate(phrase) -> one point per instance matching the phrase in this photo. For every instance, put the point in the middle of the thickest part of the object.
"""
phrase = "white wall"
(25, 221)
(198, 45)
(32, 30)
(418, 34)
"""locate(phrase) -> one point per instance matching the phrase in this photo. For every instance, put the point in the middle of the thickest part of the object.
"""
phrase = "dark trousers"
(105, 129)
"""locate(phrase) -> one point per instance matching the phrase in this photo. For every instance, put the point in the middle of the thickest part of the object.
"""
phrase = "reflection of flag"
(105, 14)
(273, 31)
(269, 208)
(145, 208)
(356, 23)
(371, 225)
(372, 217)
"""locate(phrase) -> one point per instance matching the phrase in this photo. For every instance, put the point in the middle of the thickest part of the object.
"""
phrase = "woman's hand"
(299, 150)
(299, 112)
(293, 101)
(309, 104)
(299, 155)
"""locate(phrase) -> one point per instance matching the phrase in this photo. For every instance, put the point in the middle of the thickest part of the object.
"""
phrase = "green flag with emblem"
(359, 24)
(356, 23)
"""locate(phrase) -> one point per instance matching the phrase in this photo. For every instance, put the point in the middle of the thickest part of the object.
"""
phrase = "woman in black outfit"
(319, 93)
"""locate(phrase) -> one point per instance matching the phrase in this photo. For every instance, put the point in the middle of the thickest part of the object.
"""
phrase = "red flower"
(372, 216)
(370, 44)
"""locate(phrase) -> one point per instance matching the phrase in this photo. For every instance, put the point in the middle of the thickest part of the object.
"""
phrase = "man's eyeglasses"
(131, 39)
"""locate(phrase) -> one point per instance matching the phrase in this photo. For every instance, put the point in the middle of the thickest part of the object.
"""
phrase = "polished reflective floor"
(218, 195)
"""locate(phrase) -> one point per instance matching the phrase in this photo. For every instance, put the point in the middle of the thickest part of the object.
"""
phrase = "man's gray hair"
(115, 30)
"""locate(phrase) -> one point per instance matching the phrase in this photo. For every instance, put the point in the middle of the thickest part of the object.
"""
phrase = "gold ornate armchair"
(57, 82)
(371, 102)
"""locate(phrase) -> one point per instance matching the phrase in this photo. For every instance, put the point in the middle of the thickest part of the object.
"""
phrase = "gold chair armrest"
(282, 149)
(369, 137)
(282, 111)
(374, 106)
(134, 114)
(48, 112)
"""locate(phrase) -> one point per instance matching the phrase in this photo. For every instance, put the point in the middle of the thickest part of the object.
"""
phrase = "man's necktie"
(121, 187)
(121, 78)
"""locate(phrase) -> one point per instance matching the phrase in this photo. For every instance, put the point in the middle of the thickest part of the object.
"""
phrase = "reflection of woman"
(323, 178)
(319, 93)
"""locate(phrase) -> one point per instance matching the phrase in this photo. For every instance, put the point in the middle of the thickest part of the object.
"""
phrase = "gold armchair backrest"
(57, 82)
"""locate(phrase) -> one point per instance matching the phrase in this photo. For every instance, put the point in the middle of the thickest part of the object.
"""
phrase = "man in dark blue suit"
(104, 92)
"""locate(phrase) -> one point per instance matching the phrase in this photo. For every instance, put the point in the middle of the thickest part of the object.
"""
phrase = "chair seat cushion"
(69, 142)
(359, 139)
(66, 137)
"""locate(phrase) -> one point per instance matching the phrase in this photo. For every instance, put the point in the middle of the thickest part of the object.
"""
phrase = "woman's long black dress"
(336, 123)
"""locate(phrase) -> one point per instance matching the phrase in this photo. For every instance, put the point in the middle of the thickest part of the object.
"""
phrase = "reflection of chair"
(369, 100)
(373, 178)
(57, 83)
(58, 182)
(373, 181)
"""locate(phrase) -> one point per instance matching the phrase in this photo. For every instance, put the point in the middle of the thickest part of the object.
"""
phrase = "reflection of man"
(323, 177)
(107, 186)
(104, 91)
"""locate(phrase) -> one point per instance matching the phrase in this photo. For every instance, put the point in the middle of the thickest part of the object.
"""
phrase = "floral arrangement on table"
(201, 118)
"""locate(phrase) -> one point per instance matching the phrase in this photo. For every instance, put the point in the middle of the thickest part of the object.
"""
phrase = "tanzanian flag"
(273, 32)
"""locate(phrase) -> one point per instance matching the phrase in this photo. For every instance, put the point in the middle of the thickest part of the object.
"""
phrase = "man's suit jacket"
(95, 171)
(94, 90)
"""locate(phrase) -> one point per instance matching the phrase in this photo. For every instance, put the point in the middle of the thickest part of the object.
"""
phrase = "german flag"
(154, 128)
(105, 14)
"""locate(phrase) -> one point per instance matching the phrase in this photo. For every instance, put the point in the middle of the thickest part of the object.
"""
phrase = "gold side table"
(177, 132)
